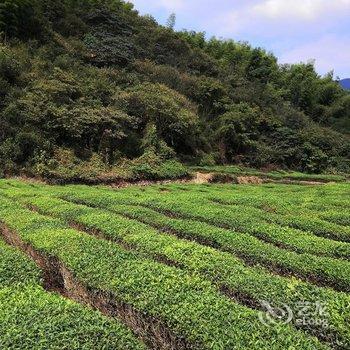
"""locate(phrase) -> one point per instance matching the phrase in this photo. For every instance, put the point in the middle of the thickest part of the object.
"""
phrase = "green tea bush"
(169, 294)
(31, 318)
(223, 269)
(325, 270)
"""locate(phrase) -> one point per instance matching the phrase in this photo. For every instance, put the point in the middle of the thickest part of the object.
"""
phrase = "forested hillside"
(91, 87)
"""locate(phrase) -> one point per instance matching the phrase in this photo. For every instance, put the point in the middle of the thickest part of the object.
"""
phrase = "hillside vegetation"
(91, 87)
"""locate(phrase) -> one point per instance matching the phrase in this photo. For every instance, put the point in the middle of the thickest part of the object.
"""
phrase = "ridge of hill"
(345, 83)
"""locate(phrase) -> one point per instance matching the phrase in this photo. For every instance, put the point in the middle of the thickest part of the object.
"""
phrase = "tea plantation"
(176, 266)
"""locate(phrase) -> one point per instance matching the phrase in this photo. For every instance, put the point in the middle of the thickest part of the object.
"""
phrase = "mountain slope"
(93, 86)
(345, 83)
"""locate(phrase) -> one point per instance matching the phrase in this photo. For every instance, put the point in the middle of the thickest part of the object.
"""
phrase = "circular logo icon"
(273, 315)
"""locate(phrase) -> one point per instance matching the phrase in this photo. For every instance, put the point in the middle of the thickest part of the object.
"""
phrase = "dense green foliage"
(125, 95)
(255, 239)
(176, 297)
(178, 252)
(31, 318)
(138, 227)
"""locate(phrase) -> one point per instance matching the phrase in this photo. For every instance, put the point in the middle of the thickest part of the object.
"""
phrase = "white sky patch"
(327, 51)
(281, 18)
(300, 9)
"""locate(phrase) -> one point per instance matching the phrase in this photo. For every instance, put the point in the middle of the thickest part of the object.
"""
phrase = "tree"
(261, 66)
(237, 129)
(21, 18)
(171, 21)
(173, 115)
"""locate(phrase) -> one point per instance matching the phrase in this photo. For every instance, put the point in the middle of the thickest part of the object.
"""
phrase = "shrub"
(152, 167)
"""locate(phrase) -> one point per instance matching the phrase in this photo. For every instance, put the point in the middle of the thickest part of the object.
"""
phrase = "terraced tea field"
(174, 266)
